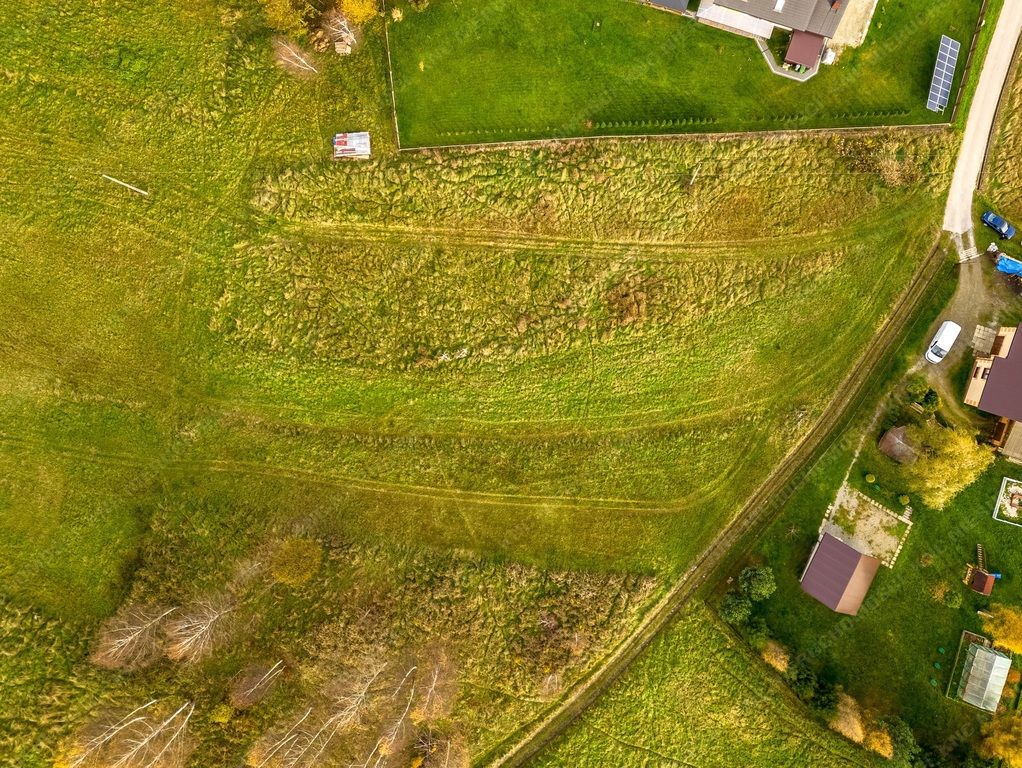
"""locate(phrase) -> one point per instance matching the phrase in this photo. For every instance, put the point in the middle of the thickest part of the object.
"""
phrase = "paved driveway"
(958, 213)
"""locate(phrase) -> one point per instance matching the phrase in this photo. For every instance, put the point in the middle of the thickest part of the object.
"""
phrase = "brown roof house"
(838, 575)
(996, 388)
(895, 445)
(812, 22)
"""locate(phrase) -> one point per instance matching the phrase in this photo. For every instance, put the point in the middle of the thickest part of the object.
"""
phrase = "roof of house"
(1002, 395)
(838, 575)
(981, 582)
(820, 17)
(805, 48)
(983, 677)
(895, 445)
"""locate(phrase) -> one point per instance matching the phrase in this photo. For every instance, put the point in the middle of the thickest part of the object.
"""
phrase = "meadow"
(493, 70)
(697, 697)
(505, 396)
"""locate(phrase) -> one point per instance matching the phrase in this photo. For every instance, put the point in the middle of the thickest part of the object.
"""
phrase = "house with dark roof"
(811, 22)
(838, 575)
(895, 444)
(995, 387)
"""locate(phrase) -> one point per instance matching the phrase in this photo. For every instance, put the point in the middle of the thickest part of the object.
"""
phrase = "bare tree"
(310, 738)
(147, 737)
(131, 639)
(438, 690)
(393, 736)
(253, 683)
(292, 57)
(440, 750)
(193, 636)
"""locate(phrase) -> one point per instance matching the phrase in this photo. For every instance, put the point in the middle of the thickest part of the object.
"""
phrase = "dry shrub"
(847, 719)
(296, 561)
(940, 591)
(776, 655)
(131, 639)
(879, 741)
(628, 301)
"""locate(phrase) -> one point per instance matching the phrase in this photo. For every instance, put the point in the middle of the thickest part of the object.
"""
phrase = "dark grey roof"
(983, 677)
(820, 17)
(1002, 395)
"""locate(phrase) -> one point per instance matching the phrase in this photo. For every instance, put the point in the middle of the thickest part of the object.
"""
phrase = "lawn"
(494, 70)
(697, 697)
(508, 395)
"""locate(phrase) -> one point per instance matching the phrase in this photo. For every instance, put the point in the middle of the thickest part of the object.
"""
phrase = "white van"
(944, 339)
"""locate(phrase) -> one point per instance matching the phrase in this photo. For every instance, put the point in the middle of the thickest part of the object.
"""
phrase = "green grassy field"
(505, 392)
(493, 70)
(697, 697)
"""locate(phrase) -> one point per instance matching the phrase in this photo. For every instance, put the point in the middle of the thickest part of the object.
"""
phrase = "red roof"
(805, 49)
(838, 575)
(981, 582)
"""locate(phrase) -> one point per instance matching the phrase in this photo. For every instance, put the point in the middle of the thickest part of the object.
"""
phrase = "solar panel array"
(943, 74)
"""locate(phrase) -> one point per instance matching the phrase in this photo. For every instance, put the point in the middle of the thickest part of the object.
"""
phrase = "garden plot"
(1009, 502)
(866, 525)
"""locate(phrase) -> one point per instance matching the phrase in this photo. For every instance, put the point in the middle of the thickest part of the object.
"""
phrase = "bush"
(801, 679)
(953, 598)
(917, 388)
(904, 499)
(825, 697)
(358, 12)
(757, 634)
(296, 561)
(735, 608)
(288, 16)
(757, 583)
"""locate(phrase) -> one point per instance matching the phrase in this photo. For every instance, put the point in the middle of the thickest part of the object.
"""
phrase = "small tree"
(735, 608)
(916, 388)
(757, 583)
(802, 679)
(949, 461)
(1002, 738)
(291, 17)
(358, 11)
(1004, 623)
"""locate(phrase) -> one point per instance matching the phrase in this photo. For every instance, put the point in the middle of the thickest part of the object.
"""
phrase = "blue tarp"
(1009, 266)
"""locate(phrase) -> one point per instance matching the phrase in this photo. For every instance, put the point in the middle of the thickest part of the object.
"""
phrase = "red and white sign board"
(352, 145)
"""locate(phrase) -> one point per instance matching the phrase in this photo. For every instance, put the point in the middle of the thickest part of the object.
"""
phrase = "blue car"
(999, 225)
